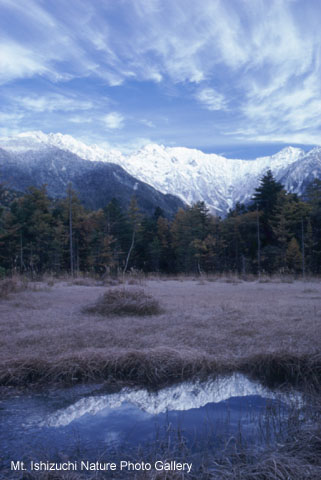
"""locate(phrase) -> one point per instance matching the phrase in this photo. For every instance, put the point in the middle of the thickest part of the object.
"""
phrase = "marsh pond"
(93, 423)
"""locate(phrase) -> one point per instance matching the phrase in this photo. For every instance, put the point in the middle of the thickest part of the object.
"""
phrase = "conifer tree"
(266, 194)
(313, 197)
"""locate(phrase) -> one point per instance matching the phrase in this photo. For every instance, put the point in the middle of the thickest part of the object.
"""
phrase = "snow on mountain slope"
(37, 141)
(194, 175)
(188, 173)
(182, 397)
(295, 177)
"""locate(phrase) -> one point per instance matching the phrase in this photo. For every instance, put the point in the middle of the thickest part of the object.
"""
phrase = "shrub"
(11, 285)
(123, 302)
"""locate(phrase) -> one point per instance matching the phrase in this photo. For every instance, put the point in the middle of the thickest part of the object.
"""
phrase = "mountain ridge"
(96, 183)
(187, 173)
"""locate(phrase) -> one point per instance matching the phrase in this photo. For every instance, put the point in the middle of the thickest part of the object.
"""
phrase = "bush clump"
(123, 302)
(11, 285)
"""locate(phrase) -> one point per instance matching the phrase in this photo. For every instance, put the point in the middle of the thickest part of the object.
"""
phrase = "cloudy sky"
(239, 77)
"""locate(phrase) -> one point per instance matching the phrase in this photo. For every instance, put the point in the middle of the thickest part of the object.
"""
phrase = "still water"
(92, 422)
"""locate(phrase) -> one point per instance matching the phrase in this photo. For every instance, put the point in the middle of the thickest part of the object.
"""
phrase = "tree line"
(276, 232)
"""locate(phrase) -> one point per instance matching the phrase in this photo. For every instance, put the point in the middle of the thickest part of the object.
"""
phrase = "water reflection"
(77, 423)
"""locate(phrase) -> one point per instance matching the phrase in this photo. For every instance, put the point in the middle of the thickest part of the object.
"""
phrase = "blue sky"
(238, 77)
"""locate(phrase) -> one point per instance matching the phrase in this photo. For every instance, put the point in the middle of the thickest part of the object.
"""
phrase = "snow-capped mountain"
(39, 141)
(188, 173)
(194, 175)
(96, 183)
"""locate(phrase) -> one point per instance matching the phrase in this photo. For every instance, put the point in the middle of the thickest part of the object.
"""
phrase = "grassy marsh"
(270, 330)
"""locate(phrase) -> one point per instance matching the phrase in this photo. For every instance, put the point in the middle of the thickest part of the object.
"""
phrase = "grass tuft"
(123, 302)
(11, 285)
(153, 368)
(275, 369)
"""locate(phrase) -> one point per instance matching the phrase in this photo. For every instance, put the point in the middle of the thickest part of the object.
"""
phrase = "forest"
(276, 232)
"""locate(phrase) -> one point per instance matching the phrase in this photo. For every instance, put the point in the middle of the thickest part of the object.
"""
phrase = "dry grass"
(292, 462)
(124, 302)
(12, 285)
(298, 458)
(271, 330)
(84, 282)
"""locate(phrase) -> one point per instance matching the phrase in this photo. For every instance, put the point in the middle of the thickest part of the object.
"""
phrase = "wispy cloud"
(10, 117)
(148, 123)
(80, 119)
(113, 120)
(53, 102)
(128, 147)
(211, 99)
(255, 66)
(19, 62)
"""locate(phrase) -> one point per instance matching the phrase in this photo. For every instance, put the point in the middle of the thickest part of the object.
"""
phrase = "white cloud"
(298, 137)
(11, 121)
(80, 119)
(175, 39)
(126, 147)
(53, 102)
(263, 57)
(113, 120)
(166, 40)
(47, 44)
(19, 62)
(10, 117)
(291, 111)
(146, 122)
(211, 99)
(135, 145)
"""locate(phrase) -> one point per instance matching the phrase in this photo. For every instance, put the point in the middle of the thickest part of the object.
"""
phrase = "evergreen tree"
(189, 229)
(30, 229)
(266, 195)
(265, 200)
(166, 253)
(38, 234)
(313, 197)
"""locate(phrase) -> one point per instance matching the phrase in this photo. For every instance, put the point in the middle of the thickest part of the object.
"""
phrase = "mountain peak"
(153, 148)
(188, 173)
(291, 150)
(37, 140)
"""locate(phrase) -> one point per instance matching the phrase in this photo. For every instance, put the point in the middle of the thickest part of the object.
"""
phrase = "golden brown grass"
(271, 330)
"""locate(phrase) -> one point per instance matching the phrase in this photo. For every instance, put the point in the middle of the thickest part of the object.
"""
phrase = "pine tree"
(31, 226)
(166, 254)
(266, 194)
(313, 197)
